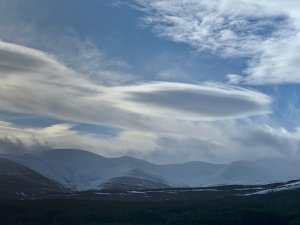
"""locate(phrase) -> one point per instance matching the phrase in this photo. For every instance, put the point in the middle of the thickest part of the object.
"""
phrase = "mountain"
(135, 180)
(83, 170)
(262, 171)
(18, 181)
(241, 172)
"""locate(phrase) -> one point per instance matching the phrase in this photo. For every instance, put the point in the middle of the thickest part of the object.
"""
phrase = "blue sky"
(167, 81)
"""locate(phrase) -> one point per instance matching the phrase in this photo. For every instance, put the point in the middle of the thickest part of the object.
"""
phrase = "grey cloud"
(220, 142)
(56, 91)
(174, 150)
(51, 89)
(267, 140)
(197, 102)
(263, 139)
(204, 103)
(16, 146)
(239, 142)
(18, 62)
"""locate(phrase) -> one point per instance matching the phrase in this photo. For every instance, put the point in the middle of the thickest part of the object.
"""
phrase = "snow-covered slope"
(83, 170)
(288, 186)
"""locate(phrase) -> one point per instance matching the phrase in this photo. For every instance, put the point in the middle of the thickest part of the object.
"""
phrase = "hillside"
(18, 181)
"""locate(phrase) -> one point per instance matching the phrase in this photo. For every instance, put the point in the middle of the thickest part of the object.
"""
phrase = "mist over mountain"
(83, 170)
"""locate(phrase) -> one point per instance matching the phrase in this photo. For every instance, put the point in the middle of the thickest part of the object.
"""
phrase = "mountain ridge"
(83, 170)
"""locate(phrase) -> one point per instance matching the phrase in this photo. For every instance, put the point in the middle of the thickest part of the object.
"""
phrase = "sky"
(167, 81)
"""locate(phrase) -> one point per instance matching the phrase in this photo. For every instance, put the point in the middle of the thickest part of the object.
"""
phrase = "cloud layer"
(212, 142)
(163, 122)
(33, 82)
(151, 116)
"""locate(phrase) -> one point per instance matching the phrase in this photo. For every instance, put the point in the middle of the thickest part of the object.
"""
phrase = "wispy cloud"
(231, 28)
(278, 62)
(75, 51)
(221, 26)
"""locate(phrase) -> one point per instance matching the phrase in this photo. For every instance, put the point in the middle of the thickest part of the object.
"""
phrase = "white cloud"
(150, 114)
(228, 142)
(227, 27)
(213, 142)
(15, 139)
(33, 82)
(266, 31)
(278, 62)
(234, 78)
